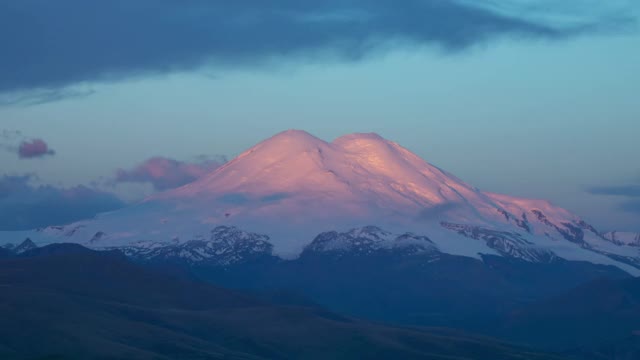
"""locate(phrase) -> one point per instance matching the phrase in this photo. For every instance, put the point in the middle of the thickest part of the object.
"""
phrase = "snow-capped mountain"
(24, 246)
(294, 186)
(623, 238)
(510, 244)
(224, 246)
(369, 240)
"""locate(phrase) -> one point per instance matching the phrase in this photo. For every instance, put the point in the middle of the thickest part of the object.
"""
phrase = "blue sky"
(525, 98)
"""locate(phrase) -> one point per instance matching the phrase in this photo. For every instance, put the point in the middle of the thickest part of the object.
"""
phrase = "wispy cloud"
(8, 139)
(53, 44)
(585, 14)
(6, 134)
(42, 96)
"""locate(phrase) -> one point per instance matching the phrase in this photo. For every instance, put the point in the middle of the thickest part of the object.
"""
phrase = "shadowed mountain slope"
(599, 313)
(79, 304)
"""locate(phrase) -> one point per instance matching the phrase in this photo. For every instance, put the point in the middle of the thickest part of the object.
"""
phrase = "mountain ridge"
(294, 186)
(83, 304)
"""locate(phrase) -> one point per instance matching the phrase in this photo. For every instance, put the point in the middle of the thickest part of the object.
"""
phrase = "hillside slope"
(78, 304)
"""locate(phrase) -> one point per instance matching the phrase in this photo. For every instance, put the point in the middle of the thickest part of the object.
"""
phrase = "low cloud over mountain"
(165, 173)
(24, 205)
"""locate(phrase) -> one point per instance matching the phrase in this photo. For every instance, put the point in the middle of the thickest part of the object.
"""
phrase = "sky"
(102, 103)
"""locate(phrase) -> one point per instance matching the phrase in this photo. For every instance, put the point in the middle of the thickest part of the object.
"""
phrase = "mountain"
(627, 348)
(373, 273)
(404, 278)
(370, 240)
(360, 226)
(68, 302)
(294, 186)
(4, 253)
(623, 238)
(26, 245)
(602, 314)
(224, 246)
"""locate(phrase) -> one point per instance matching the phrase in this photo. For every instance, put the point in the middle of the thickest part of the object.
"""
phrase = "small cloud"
(35, 148)
(165, 173)
(24, 205)
(616, 190)
(630, 191)
(631, 206)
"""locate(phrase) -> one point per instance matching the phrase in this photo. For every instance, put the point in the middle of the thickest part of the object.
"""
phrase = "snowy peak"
(509, 244)
(294, 186)
(369, 240)
(282, 147)
(359, 137)
(361, 177)
(295, 161)
(623, 238)
(291, 159)
(25, 246)
(224, 246)
(369, 143)
(291, 135)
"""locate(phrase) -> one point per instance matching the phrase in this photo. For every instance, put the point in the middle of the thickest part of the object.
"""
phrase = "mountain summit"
(356, 179)
(294, 186)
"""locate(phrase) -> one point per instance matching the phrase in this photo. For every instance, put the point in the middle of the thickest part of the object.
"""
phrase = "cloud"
(52, 44)
(8, 138)
(39, 97)
(164, 173)
(630, 192)
(631, 206)
(26, 206)
(6, 134)
(34, 149)
(15, 142)
(616, 190)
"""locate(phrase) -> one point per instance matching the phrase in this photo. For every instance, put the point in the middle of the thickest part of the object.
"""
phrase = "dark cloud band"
(616, 190)
(631, 193)
(52, 44)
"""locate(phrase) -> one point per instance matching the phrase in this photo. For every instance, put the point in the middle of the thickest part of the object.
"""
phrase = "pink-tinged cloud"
(34, 149)
(164, 173)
